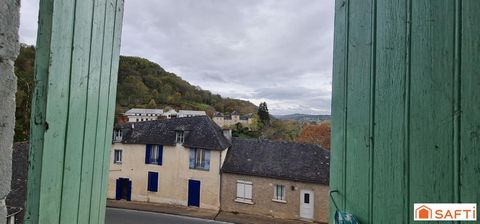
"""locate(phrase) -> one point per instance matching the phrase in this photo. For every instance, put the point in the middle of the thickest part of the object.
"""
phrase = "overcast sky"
(278, 51)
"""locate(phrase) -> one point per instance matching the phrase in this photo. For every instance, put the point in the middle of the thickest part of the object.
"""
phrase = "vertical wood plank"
(39, 105)
(91, 118)
(111, 104)
(100, 139)
(358, 109)
(432, 102)
(337, 171)
(388, 178)
(56, 113)
(470, 102)
(76, 111)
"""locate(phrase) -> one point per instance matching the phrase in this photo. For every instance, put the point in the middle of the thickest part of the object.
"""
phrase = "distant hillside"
(303, 117)
(141, 83)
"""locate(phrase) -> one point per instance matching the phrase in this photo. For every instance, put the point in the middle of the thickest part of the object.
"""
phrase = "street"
(125, 216)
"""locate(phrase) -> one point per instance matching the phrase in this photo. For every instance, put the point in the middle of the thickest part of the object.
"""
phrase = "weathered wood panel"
(412, 94)
(469, 111)
(359, 68)
(92, 112)
(75, 80)
(76, 112)
(388, 154)
(338, 106)
(431, 100)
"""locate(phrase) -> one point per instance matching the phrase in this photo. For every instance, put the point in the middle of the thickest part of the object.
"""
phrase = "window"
(306, 198)
(137, 119)
(244, 191)
(279, 193)
(117, 156)
(152, 181)
(154, 154)
(117, 135)
(180, 137)
(199, 159)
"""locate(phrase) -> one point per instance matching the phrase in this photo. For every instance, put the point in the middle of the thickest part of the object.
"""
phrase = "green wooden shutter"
(406, 121)
(76, 66)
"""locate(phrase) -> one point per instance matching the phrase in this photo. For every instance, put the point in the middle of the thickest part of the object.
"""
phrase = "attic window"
(117, 135)
(180, 137)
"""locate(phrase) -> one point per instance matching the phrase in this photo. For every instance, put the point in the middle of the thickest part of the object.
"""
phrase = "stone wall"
(262, 195)
(9, 47)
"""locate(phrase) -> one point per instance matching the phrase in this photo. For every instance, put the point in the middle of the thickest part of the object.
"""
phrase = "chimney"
(227, 133)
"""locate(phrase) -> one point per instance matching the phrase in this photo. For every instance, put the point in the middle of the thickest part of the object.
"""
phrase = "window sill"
(250, 202)
(279, 201)
(200, 169)
(117, 163)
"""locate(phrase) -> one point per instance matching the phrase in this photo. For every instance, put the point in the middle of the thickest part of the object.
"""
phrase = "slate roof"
(16, 198)
(246, 116)
(199, 131)
(142, 111)
(278, 160)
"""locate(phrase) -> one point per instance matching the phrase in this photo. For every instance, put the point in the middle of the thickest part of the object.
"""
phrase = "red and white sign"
(445, 212)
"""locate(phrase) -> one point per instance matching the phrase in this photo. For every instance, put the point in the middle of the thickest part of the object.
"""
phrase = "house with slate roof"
(174, 161)
(278, 179)
(227, 121)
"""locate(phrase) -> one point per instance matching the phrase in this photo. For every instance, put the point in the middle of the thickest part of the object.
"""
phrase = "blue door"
(194, 193)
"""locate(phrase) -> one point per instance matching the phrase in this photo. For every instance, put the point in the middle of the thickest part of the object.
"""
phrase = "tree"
(263, 114)
(318, 134)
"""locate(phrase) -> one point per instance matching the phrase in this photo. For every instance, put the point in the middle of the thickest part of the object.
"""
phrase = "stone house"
(174, 161)
(278, 179)
(227, 121)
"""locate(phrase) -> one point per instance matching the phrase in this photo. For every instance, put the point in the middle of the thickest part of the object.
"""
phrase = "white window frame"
(154, 154)
(117, 160)
(180, 137)
(279, 196)
(244, 192)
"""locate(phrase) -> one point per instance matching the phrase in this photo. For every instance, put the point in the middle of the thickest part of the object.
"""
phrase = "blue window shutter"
(155, 182)
(160, 154)
(118, 190)
(207, 159)
(152, 182)
(192, 159)
(147, 154)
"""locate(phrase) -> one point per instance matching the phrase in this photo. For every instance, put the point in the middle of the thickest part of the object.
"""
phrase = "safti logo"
(445, 212)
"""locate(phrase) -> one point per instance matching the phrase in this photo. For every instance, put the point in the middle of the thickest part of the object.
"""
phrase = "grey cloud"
(274, 50)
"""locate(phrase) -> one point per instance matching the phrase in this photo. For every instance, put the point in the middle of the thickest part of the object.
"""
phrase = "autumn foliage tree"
(316, 134)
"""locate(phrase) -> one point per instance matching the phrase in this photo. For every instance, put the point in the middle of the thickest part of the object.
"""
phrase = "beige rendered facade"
(263, 194)
(173, 175)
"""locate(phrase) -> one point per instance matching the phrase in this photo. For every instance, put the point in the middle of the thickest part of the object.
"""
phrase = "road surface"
(125, 216)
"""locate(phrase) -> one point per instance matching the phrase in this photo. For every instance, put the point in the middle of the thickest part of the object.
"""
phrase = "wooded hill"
(141, 83)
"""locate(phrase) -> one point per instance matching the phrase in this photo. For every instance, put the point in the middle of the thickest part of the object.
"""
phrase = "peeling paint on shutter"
(78, 46)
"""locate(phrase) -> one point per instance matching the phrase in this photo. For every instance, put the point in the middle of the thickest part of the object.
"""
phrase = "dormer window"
(117, 135)
(180, 137)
